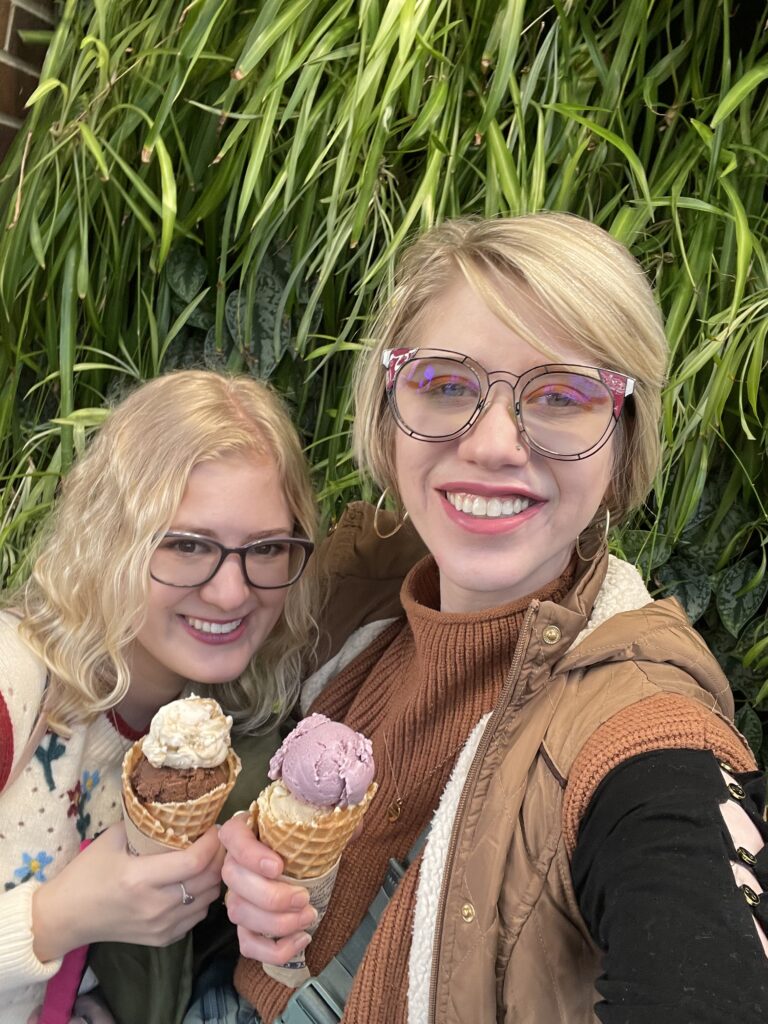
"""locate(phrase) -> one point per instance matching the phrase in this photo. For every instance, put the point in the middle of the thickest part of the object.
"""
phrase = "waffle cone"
(309, 849)
(175, 824)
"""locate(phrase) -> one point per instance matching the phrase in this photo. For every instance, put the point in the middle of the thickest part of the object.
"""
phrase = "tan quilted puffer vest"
(512, 944)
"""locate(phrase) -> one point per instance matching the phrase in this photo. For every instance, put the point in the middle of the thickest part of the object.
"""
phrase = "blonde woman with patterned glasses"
(575, 816)
(173, 560)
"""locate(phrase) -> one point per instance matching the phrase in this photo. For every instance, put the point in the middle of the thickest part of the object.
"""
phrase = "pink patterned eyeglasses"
(563, 411)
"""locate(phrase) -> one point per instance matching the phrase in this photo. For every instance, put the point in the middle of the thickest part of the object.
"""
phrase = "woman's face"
(486, 561)
(208, 634)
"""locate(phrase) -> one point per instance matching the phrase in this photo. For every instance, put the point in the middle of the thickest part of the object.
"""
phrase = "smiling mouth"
(487, 508)
(204, 626)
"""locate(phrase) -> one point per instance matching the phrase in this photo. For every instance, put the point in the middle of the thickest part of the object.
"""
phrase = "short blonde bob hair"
(84, 601)
(580, 277)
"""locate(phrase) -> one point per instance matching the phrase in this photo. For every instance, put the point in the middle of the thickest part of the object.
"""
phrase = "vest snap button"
(750, 896)
(468, 912)
(550, 635)
(725, 766)
(736, 791)
(746, 856)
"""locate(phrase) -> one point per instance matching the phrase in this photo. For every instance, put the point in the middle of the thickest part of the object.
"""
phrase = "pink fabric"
(61, 990)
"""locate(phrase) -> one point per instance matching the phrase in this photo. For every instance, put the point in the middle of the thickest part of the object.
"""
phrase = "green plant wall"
(226, 183)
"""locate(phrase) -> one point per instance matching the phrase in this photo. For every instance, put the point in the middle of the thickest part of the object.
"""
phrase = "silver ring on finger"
(186, 897)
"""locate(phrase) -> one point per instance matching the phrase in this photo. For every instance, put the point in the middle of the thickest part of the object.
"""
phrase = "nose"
(494, 439)
(229, 588)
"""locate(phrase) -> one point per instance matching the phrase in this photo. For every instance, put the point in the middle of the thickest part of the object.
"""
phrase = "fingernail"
(309, 918)
(300, 899)
(269, 867)
(302, 942)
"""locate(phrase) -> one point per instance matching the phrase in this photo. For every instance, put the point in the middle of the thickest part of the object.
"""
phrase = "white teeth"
(487, 508)
(213, 627)
(479, 506)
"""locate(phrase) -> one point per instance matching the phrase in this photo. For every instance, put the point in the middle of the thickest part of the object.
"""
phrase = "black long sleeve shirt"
(652, 872)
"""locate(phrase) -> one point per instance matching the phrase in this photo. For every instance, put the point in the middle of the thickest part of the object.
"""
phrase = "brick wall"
(20, 61)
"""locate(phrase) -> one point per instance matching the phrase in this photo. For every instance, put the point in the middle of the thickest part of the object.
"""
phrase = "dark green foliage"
(226, 184)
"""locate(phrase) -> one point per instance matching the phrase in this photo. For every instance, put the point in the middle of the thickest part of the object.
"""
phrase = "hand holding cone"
(323, 786)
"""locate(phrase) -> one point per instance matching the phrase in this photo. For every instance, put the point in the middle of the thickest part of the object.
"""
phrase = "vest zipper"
(474, 768)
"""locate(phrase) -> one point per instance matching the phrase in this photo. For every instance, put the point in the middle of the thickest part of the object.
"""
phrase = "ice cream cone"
(171, 825)
(310, 852)
(309, 849)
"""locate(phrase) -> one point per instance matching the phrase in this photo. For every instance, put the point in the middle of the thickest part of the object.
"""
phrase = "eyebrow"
(276, 531)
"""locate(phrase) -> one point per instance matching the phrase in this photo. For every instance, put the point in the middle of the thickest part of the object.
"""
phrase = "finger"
(181, 865)
(271, 951)
(240, 842)
(278, 924)
(270, 894)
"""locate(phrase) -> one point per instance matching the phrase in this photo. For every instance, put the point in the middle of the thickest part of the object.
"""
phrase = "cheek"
(158, 599)
(273, 605)
(408, 465)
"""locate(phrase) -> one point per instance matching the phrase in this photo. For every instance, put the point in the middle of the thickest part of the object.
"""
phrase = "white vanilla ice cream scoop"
(189, 733)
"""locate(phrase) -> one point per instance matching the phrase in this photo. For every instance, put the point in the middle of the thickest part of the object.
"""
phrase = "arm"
(18, 964)
(653, 875)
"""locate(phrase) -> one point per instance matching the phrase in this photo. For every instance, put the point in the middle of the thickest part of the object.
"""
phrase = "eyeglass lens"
(564, 412)
(189, 562)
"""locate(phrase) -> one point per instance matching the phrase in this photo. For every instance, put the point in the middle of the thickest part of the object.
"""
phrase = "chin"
(218, 677)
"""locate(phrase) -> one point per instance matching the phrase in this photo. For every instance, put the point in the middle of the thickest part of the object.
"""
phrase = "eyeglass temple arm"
(620, 386)
(393, 359)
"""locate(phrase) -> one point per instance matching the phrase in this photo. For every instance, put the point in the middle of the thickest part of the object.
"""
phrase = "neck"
(148, 690)
(139, 712)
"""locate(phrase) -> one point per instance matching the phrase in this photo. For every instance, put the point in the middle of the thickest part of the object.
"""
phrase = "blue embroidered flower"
(33, 867)
(90, 781)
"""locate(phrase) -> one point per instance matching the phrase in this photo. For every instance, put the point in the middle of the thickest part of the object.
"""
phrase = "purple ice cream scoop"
(324, 763)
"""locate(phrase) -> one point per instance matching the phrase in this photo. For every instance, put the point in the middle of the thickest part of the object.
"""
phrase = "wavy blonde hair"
(581, 278)
(83, 603)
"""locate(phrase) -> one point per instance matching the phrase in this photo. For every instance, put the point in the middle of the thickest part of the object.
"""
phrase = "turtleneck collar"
(466, 645)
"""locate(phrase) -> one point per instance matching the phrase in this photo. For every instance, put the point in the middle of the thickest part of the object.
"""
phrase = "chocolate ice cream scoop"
(175, 785)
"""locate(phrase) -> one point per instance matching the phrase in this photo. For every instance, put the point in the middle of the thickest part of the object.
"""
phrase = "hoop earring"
(379, 506)
(603, 540)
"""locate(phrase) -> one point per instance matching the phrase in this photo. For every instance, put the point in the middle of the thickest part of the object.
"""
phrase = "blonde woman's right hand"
(270, 914)
(106, 893)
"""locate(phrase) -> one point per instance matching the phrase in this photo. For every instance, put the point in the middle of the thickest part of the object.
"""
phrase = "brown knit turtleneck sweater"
(417, 693)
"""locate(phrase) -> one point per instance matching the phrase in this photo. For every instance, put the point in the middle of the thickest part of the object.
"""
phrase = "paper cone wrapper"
(158, 827)
(296, 972)
(311, 854)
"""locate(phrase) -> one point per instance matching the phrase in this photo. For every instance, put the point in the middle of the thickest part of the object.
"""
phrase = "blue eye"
(444, 387)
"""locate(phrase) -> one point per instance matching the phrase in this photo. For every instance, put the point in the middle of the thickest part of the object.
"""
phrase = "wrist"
(54, 931)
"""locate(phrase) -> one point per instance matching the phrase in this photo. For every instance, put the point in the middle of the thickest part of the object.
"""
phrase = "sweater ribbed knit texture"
(416, 693)
(664, 721)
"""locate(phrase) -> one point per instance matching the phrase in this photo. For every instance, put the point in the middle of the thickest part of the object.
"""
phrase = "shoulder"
(361, 574)
(658, 722)
(624, 658)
